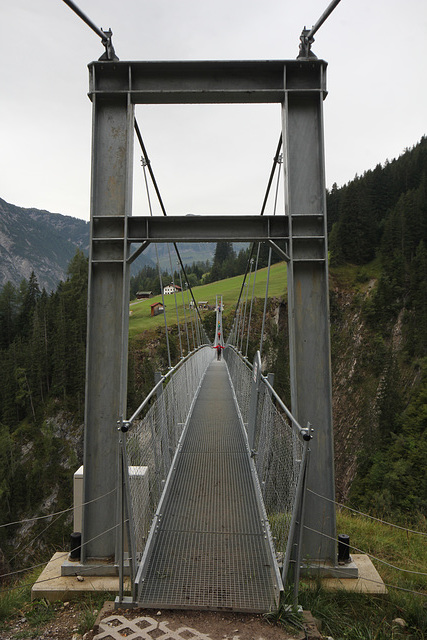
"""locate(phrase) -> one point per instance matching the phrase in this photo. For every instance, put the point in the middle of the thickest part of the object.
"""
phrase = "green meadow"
(140, 311)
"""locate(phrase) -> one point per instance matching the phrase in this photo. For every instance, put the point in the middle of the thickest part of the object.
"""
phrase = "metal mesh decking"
(210, 549)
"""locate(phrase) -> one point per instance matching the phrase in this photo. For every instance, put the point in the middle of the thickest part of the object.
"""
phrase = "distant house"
(143, 295)
(171, 288)
(156, 308)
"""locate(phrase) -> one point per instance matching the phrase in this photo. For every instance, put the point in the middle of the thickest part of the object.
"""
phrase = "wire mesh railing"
(280, 448)
(240, 375)
(149, 443)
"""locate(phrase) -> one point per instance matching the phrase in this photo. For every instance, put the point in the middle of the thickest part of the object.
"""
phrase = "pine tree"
(8, 311)
(223, 257)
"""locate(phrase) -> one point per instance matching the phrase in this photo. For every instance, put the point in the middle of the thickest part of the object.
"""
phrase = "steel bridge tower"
(299, 87)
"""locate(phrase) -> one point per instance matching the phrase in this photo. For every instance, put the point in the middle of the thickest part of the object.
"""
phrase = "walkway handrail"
(279, 447)
(128, 423)
(148, 449)
(303, 432)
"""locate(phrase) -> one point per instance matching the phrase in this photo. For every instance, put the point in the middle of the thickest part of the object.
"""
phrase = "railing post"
(293, 547)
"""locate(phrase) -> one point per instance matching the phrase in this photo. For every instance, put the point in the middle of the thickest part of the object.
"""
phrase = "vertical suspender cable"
(269, 265)
(243, 312)
(183, 306)
(176, 301)
(246, 303)
(252, 299)
(265, 302)
(191, 319)
(144, 164)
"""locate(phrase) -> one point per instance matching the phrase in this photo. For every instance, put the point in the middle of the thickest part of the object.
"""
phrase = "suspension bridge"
(205, 532)
(204, 486)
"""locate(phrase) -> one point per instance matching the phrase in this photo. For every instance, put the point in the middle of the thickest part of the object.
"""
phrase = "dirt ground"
(220, 626)
(66, 624)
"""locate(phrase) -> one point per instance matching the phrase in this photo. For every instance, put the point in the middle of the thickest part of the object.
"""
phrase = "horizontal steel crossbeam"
(204, 82)
(192, 228)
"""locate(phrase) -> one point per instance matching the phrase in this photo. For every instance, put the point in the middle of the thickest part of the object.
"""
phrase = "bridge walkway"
(210, 549)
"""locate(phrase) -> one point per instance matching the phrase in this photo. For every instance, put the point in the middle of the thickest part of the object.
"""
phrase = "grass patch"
(398, 547)
(141, 320)
(15, 603)
(89, 608)
(357, 277)
(14, 597)
(356, 616)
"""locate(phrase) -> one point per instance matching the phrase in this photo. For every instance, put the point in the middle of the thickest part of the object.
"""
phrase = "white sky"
(207, 159)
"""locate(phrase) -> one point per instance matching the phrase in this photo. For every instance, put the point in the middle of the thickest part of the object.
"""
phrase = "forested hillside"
(379, 223)
(42, 378)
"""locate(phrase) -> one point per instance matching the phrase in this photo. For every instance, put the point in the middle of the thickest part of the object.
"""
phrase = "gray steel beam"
(107, 233)
(198, 82)
(108, 316)
(310, 369)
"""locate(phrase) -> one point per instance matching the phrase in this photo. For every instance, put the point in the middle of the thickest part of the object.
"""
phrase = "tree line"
(226, 263)
(383, 215)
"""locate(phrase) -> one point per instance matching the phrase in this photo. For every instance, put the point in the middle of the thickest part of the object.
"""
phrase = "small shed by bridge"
(156, 308)
(143, 295)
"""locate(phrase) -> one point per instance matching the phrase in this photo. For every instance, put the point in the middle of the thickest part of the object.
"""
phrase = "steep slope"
(39, 241)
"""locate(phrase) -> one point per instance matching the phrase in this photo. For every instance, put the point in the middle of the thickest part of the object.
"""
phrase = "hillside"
(39, 241)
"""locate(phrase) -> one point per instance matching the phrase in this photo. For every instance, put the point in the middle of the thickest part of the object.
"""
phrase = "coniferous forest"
(381, 218)
(377, 225)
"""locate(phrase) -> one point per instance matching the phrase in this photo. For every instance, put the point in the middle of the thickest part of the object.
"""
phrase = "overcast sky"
(207, 159)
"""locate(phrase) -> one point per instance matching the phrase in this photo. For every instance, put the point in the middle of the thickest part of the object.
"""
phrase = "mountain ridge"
(40, 241)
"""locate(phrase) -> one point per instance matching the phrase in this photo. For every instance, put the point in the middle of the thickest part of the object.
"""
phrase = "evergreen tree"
(8, 311)
(223, 261)
(29, 293)
(356, 234)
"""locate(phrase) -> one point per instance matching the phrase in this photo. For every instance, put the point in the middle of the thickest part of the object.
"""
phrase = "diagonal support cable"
(162, 206)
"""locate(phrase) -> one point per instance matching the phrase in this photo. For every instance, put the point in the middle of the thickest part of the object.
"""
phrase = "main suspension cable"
(306, 37)
(105, 36)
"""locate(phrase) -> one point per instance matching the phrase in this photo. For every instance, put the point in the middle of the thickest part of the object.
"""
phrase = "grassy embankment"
(356, 616)
(141, 320)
